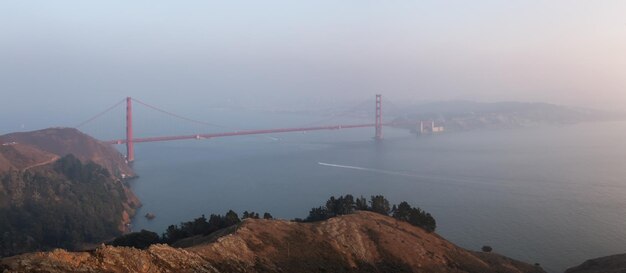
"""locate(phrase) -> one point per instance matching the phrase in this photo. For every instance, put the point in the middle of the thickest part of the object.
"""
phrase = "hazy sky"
(197, 53)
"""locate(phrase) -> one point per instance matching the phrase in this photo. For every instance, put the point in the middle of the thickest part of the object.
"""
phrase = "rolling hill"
(360, 242)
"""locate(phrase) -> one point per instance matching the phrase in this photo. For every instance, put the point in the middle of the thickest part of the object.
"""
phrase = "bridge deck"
(243, 133)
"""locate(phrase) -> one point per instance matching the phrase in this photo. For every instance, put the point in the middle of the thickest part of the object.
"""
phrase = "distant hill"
(61, 188)
(468, 115)
(609, 264)
(20, 150)
(360, 242)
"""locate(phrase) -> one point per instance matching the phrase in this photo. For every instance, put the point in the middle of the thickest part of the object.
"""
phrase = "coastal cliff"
(61, 188)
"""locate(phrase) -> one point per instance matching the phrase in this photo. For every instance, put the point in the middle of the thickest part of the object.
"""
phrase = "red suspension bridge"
(130, 139)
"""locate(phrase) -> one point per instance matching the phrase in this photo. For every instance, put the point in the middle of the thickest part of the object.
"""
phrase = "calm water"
(553, 195)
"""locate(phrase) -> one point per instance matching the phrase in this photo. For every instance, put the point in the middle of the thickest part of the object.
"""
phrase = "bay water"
(554, 195)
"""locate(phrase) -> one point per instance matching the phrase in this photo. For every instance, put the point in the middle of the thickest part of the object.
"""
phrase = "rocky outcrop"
(362, 242)
(610, 264)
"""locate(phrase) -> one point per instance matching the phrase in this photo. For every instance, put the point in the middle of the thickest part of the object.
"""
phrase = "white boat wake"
(472, 183)
(272, 138)
(368, 169)
(424, 178)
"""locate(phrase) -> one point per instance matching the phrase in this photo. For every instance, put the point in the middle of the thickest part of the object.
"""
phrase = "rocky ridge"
(361, 242)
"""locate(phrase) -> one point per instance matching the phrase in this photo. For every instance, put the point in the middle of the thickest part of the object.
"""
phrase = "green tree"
(415, 216)
(380, 204)
(346, 205)
(402, 211)
(361, 203)
(251, 215)
(173, 234)
(215, 222)
(331, 206)
(317, 214)
(340, 206)
(231, 218)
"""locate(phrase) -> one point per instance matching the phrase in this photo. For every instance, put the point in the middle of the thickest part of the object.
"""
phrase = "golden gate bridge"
(130, 139)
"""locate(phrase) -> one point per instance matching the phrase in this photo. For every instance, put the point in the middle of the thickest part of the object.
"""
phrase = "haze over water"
(552, 195)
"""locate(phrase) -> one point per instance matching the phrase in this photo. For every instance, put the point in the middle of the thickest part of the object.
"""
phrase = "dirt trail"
(54, 158)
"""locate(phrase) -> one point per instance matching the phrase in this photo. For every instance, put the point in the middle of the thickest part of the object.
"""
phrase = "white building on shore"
(429, 127)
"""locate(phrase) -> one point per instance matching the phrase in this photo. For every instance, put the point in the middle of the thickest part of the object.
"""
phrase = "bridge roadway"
(243, 133)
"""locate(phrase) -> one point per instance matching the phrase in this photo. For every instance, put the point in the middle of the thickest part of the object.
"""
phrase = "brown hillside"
(362, 242)
(5, 164)
(609, 264)
(60, 142)
(22, 156)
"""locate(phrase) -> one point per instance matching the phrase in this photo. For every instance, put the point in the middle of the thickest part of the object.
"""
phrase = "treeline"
(200, 226)
(377, 203)
(65, 206)
(174, 233)
(334, 207)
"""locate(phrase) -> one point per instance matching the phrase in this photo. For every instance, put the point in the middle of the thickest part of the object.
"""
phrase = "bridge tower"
(130, 146)
(379, 118)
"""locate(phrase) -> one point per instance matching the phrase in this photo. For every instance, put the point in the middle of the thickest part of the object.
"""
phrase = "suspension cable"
(392, 106)
(100, 114)
(179, 116)
(340, 115)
